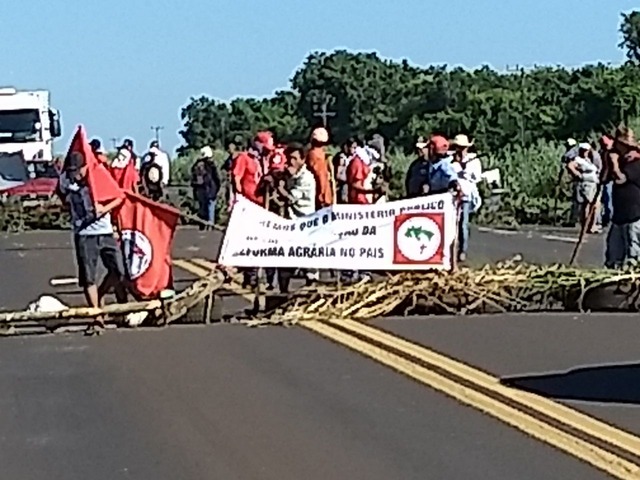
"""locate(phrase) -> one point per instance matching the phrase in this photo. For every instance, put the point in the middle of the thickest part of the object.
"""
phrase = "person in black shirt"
(418, 172)
(623, 241)
(205, 182)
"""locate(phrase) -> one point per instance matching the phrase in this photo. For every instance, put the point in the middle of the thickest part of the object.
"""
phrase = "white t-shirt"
(469, 175)
(588, 170)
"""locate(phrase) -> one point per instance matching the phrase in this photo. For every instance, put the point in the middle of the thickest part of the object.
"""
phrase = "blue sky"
(121, 66)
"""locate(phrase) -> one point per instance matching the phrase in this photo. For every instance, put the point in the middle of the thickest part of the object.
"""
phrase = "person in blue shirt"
(442, 177)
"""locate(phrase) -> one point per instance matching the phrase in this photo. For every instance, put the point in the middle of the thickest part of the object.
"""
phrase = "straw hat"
(461, 141)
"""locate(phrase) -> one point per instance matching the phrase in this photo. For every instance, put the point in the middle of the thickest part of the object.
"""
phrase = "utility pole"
(324, 113)
(223, 132)
(157, 130)
(518, 69)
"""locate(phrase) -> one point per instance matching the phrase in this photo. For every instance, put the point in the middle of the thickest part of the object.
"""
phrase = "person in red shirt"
(251, 174)
(247, 174)
(321, 169)
(357, 172)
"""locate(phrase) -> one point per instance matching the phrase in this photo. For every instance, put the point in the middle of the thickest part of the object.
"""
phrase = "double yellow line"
(597, 443)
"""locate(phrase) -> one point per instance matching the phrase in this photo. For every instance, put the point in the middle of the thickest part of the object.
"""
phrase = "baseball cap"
(440, 144)
(265, 139)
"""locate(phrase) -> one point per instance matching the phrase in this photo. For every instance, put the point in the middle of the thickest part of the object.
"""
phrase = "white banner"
(413, 234)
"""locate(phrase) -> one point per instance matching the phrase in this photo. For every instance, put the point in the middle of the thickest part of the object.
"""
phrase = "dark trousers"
(250, 276)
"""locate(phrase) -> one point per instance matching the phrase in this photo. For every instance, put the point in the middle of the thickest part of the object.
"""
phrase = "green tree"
(630, 31)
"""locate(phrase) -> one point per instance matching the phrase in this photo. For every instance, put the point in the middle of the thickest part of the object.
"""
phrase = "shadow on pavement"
(618, 383)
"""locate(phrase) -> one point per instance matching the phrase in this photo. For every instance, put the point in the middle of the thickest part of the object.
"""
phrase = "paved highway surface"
(231, 402)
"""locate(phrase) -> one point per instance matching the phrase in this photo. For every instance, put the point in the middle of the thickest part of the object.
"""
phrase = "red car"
(32, 182)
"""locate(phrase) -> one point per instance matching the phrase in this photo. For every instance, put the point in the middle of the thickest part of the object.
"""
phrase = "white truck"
(28, 127)
(28, 124)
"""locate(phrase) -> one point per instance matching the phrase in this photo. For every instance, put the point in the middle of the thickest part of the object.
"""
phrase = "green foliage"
(630, 31)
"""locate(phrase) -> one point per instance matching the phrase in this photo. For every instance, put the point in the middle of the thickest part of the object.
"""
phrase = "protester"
(205, 182)
(320, 168)
(93, 236)
(161, 159)
(571, 150)
(340, 164)
(151, 181)
(586, 177)
(358, 172)
(299, 193)
(98, 151)
(441, 176)
(227, 168)
(123, 167)
(623, 240)
(380, 173)
(469, 170)
(273, 164)
(417, 173)
(248, 173)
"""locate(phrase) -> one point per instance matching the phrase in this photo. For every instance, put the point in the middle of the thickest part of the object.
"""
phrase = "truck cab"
(28, 128)
(28, 124)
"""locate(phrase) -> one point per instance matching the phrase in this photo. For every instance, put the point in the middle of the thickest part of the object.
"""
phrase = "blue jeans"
(623, 245)
(211, 217)
(463, 227)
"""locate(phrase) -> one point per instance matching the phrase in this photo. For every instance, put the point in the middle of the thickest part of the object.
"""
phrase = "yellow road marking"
(511, 415)
(557, 411)
(598, 457)
(190, 267)
(204, 263)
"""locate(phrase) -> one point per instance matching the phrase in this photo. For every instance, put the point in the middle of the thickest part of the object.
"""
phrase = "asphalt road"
(591, 361)
(231, 402)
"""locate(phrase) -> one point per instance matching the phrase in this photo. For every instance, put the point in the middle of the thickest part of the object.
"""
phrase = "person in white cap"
(205, 182)
(320, 168)
(469, 169)
(586, 176)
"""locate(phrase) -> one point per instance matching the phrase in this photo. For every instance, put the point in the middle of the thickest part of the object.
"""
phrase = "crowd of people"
(295, 180)
(606, 192)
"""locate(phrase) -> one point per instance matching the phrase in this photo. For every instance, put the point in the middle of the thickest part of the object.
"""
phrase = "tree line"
(366, 94)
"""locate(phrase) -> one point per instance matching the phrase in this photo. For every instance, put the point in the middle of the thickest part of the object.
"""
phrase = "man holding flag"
(94, 238)
(146, 230)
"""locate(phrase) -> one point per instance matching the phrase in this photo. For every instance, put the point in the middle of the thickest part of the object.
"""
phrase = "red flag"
(103, 187)
(147, 229)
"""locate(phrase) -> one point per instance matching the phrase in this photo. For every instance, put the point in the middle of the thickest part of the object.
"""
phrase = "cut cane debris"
(506, 287)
